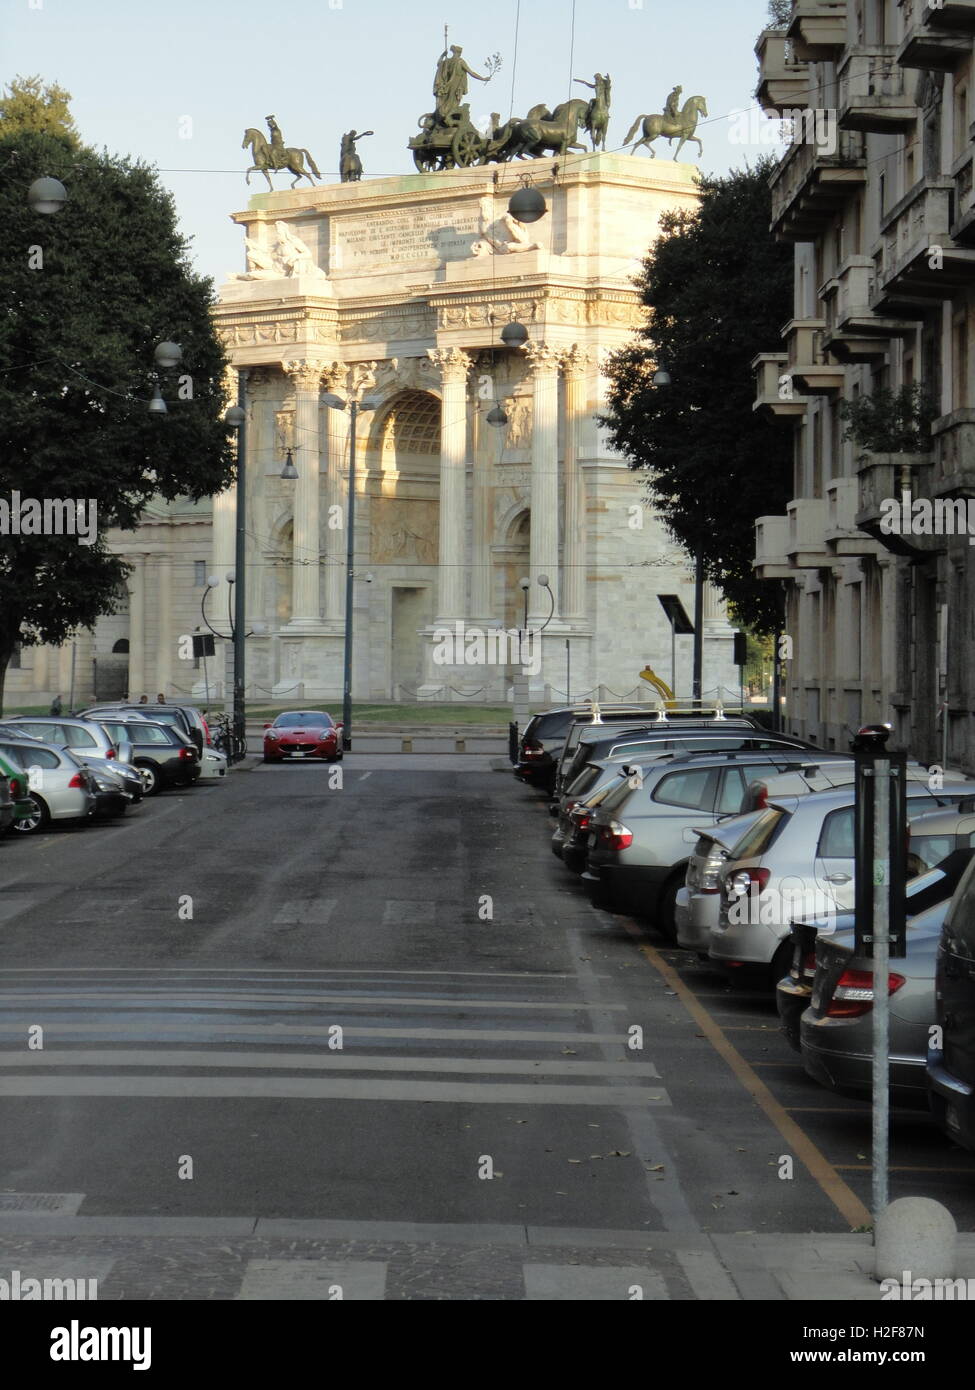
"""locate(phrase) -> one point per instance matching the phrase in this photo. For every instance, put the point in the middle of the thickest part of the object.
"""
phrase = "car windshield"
(304, 719)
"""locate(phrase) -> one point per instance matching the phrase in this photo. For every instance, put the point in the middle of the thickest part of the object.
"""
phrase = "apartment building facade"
(875, 191)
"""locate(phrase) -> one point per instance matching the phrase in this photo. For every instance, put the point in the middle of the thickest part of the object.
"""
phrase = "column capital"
(304, 373)
(452, 363)
(543, 360)
(576, 359)
(334, 375)
(259, 377)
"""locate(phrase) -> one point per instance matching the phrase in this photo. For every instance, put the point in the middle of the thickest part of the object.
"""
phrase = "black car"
(951, 1051)
(163, 754)
(536, 753)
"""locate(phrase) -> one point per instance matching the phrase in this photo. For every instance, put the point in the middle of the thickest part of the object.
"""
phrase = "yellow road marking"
(823, 1172)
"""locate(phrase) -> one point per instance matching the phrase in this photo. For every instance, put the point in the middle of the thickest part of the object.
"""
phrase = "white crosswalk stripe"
(491, 1038)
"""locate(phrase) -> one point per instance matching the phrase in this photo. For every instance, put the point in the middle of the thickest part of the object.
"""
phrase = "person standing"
(56, 706)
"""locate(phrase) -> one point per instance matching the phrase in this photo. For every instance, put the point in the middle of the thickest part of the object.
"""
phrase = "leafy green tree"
(718, 289)
(87, 295)
(778, 13)
(27, 103)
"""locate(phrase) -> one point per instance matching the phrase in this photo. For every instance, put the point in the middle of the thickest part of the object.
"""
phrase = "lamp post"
(356, 408)
(236, 418)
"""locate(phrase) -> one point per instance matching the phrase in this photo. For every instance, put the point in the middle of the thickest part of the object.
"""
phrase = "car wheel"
(39, 817)
(150, 778)
(666, 907)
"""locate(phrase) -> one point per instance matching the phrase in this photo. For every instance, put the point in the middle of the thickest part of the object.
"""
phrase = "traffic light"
(741, 649)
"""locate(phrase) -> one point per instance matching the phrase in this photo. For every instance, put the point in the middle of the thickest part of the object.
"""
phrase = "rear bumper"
(952, 1101)
(792, 1001)
(625, 888)
(536, 774)
(849, 1071)
(696, 919)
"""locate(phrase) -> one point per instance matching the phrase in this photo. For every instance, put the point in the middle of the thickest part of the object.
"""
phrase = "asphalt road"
(190, 967)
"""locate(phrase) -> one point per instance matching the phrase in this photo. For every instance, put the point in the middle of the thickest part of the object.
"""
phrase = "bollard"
(407, 746)
(460, 745)
(915, 1236)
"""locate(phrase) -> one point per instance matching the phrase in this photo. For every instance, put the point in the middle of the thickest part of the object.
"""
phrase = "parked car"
(697, 902)
(793, 991)
(83, 736)
(161, 753)
(60, 789)
(534, 758)
(302, 734)
(6, 802)
(114, 775)
(796, 861)
(836, 1030)
(670, 724)
(186, 718)
(213, 764)
(638, 841)
(23, 806)
(665, 738)
(951, 1050)
(828, 774)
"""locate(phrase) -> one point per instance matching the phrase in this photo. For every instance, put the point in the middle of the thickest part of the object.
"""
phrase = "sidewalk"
(251, 1258)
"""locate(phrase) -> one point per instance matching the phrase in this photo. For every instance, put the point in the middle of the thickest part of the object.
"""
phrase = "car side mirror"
(267, 726)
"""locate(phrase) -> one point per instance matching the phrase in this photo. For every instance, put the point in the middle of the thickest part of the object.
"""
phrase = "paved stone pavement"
(239, 1259)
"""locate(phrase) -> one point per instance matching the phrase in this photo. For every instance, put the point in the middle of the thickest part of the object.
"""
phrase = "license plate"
(297, 755)
(591, 839)
(951, 1118)
(814, 999)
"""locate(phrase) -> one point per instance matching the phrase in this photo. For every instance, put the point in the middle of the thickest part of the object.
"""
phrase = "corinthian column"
(575, 363)
(544, 543)
(305, 376)
(453, 365)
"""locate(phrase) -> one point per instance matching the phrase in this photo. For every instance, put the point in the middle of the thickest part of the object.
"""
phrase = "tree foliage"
(28, 104)
(87, 295)
(718, 289)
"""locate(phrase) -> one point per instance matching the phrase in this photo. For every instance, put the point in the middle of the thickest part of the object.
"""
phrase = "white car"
(59, 786)
(213, 765)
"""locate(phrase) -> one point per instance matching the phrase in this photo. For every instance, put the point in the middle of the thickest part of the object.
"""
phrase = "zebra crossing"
(505, 1037)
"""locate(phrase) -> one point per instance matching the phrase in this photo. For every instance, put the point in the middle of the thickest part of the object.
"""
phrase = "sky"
(176, 84)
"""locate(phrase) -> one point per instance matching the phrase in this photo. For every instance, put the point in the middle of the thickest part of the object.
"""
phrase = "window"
(33, 757)
(836, 838)
(121, 646)
(199, 574)
(79, 738)
(693, 789)
(931, 849)
(731, 793)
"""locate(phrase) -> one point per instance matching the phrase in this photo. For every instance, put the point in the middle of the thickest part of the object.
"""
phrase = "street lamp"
(356, 408)
(47, 195)
(167, 355)
(236, 418)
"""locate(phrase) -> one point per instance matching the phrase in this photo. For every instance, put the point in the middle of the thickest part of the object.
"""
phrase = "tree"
(87, 295)
(779, 12)
(718, 289)
(27, 104)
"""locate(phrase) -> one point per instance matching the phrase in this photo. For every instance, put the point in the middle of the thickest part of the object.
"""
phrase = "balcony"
(853, 332)
(774, 390)
(842, 535)
(882, 477)
(782, 81)
(963, 227)
(806, 542)
(932, 41)
(919, 261)
(872, 92)
(771, 539)
(954, 443)
(817, 29)
(809, 185)
(808, 364)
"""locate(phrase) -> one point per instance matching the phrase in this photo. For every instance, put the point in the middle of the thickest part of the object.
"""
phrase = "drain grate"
(58, 1202)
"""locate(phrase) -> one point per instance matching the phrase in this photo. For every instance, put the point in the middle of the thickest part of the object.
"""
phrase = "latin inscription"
(397, 235)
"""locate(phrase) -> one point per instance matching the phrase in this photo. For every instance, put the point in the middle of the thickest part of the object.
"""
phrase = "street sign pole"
(881, 997)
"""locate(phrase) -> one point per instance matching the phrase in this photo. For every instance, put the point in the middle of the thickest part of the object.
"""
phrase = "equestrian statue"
(272, 155)
(672, 122)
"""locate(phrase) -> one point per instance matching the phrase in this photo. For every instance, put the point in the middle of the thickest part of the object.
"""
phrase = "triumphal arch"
(395, 290)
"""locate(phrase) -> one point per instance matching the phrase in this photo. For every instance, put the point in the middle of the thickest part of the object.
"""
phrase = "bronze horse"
(544, 132)
(683, 125)
(265, 157)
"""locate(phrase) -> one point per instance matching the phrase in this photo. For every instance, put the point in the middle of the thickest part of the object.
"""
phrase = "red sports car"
(302, 734)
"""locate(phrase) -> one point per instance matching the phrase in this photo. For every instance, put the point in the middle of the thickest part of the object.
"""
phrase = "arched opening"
(121, 646)
(511, 566)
